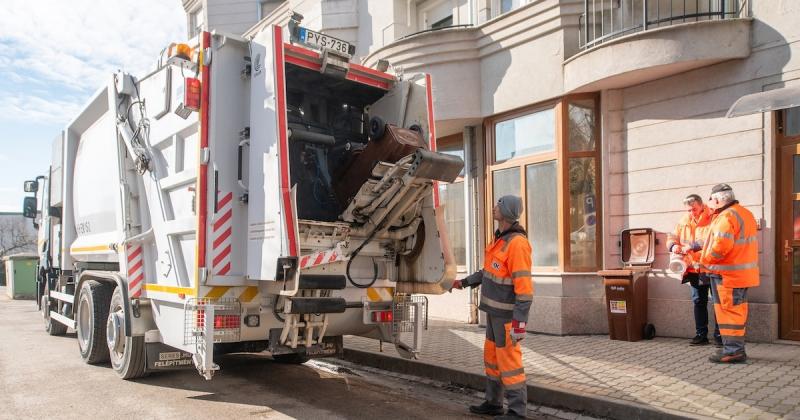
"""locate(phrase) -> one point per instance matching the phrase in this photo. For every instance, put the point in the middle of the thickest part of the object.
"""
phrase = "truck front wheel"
(91, 327)
(52, 326)
(127, 353)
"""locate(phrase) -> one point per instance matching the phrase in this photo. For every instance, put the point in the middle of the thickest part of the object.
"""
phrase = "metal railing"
(603, 20)
(468, 25)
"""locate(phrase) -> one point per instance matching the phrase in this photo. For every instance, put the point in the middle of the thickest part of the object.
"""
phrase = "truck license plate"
(321, 41)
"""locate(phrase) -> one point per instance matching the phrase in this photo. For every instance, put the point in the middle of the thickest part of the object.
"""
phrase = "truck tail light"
(226, 321)
(382, 316)
(191, 100)
(220, 321)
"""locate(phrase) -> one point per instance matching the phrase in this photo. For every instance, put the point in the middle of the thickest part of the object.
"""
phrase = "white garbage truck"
(247, 195)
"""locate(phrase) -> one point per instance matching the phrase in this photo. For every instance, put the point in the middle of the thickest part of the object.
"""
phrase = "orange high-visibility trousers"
(730, 308)
(503, 366)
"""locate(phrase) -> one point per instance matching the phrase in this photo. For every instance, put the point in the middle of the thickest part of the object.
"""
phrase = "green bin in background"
(21, 276)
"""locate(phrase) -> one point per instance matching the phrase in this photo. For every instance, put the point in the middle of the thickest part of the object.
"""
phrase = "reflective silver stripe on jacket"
(717, 256)
(746, 240)
(726, 235)
(518, 274)
(732, 267)
(731, 327)
(495, 304)
(506, 281)
(740, 220)
(511, 373)
(524, 298)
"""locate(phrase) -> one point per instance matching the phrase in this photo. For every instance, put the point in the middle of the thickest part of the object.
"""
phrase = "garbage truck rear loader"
(245, 196)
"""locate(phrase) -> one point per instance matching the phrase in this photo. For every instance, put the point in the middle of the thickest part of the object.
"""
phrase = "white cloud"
(74, 46)
(32, 108)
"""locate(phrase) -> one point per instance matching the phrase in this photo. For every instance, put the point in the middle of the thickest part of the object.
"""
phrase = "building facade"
(602, 115)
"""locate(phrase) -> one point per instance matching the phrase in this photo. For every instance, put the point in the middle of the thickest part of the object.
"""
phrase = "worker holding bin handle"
(684, 245)
(506, 297)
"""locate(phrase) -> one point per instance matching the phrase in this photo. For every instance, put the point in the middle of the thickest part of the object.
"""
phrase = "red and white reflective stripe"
(283, 142)
(321, 258)
(135, 265)
(221, 230)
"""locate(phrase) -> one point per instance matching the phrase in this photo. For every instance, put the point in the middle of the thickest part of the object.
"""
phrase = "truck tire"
(127, 354)
(290, 358)
(377, 128)
(90, 320)
(51, 326)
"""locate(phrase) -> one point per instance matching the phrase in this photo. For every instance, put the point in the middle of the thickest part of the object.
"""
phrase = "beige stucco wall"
(505, 63)
(669, 137)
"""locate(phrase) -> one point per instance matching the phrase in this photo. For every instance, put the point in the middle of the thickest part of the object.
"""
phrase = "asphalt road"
(44, 377)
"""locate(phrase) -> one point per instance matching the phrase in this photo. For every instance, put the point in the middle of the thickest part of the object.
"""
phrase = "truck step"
(322, 282)
(316, 305)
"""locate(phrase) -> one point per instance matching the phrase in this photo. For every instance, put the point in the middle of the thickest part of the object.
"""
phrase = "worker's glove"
(517, 331)
(456, 285)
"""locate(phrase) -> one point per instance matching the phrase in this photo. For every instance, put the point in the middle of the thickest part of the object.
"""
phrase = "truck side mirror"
(31, 186)
(29, 207)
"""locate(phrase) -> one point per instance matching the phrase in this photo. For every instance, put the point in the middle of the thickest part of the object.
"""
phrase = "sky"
(54, 55)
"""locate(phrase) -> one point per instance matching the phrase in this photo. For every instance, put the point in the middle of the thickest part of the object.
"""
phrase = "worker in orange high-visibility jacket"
(506, 296)
(686, 240)
(730, 254)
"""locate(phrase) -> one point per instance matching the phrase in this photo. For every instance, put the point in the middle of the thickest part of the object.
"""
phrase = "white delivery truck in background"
(245, 196)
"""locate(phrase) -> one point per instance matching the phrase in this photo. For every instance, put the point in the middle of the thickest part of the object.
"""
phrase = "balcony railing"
(468, 25)
(604, 20)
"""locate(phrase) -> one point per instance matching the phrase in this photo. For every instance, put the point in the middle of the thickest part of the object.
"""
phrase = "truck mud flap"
(310, 305)
(160, 356)
(330, 346)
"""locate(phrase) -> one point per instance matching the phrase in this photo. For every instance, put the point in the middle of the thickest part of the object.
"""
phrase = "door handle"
(787, 250)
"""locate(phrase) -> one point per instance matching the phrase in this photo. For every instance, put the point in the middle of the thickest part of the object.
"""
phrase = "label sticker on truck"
(163, 357)
(618, 307)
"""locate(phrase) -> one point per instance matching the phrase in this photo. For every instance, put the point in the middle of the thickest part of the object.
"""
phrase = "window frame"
(561, 156)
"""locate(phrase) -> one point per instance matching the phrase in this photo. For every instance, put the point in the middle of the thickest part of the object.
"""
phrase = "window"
(791, 120)
(509, 5)
(267, 6)
(555, 174)
(196, 22)
(451, 197)
(444, 23)
(436, 14)
(525, 135)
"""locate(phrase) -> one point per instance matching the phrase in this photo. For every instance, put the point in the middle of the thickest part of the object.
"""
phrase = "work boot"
(699, 341)
(487, 409)
(511, 415)
(738, 357)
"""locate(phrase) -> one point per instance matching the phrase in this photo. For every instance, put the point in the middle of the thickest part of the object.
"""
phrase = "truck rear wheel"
(52, 326)
(127, 353)
(90, 321)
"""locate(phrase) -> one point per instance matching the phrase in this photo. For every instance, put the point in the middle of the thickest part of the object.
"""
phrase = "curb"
(539, 394)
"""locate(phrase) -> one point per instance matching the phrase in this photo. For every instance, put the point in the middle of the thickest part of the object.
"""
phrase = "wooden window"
(549, 155)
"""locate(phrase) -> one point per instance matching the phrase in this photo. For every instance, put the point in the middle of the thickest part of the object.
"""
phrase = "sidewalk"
(662, 378)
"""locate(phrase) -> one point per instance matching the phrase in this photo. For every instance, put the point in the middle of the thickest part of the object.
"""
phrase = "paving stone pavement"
(664, 372)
